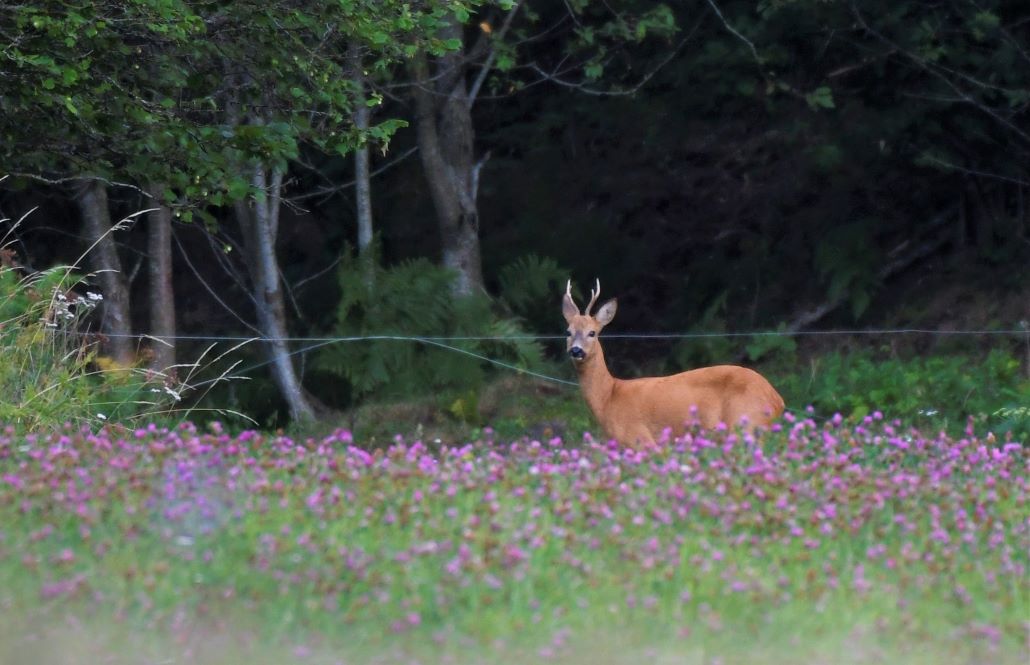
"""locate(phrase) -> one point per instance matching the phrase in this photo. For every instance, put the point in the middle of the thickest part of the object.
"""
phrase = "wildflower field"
(817, 542)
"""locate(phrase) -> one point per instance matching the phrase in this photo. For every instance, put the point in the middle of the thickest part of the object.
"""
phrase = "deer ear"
(568, 308)
(606, 312)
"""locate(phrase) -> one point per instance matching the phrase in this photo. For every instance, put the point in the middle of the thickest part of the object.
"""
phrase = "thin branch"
(1015, 43)
(555, 78)
(936, 72)
(865, 62)
(209, 289)
(928, 247)
(347, 185)
(485, 69)
(83, 178)
(975, 172)
(288, 289)
(736, 33)
(301, 282)
(225, 263)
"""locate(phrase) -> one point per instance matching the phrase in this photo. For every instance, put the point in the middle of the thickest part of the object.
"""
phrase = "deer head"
(584, 328)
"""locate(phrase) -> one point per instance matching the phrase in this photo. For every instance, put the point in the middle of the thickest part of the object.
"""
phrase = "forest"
(293, 173)
(285, 289)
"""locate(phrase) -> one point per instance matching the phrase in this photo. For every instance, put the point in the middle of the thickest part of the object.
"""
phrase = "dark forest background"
(720, 166)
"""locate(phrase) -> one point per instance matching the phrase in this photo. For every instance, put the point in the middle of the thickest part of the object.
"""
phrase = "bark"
(116, 321)
(362, 174)
(362, 170)
(260, 225)
(445, 138)
(162, 295)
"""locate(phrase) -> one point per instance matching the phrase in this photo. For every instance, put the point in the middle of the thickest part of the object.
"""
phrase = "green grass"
(937, 392)
(187, 546)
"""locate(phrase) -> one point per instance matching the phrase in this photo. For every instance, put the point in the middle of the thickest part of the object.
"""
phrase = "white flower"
(96, 297)
(101, 416)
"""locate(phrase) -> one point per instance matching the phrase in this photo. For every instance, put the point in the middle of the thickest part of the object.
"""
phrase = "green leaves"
(983, 24)
(848, 261)
(413, 298)
(820, 98)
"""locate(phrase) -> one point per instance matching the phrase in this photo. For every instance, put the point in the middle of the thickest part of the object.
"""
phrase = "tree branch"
(736, 33)
(805, 319)
(936, 72)
(209, 289)
(555, 78)
(488, 64)
(77, 178)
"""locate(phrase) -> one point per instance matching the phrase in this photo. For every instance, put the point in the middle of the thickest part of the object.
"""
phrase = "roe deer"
(637, 411)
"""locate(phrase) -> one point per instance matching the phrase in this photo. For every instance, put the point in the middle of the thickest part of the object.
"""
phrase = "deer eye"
(592, 334)
(568, 333)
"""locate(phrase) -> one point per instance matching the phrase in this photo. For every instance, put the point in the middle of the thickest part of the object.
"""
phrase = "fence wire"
(313, 343)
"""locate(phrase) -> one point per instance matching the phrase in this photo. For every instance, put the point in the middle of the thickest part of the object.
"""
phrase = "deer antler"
(594, 294)
(568, 294)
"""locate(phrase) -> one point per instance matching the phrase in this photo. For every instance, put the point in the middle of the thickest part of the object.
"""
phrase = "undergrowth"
(54, 370)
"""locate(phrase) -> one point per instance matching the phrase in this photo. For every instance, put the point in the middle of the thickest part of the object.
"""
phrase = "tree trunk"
(162, 296)
(362, 172)
(445, 139)
(116, 321)
(260, 225)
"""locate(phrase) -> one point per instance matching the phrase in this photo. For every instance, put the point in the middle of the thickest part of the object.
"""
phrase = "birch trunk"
(362, 170)
(260, 224)
(362, 173)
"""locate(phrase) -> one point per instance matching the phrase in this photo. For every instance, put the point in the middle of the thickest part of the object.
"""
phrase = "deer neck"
(596, 381)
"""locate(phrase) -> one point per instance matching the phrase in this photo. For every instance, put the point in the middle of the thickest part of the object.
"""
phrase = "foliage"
(510, 550)
(395, 318)
(780, 156)
(806, 170)
(590, 46)
(166, 91)
(85, 83)
(51, 372)
(531, 286)
(940, 390)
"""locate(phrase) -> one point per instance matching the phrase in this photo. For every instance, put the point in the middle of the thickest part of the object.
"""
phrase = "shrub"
(395, 313)
(944, 389)
(52, 372)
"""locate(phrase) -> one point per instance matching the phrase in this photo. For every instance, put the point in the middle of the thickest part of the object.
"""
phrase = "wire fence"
(1012, 332)
(446, 342)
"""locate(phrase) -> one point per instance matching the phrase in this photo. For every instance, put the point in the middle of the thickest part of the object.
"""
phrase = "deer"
(638, 412)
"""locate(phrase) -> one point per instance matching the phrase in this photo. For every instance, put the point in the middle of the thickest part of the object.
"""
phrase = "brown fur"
(637, 411)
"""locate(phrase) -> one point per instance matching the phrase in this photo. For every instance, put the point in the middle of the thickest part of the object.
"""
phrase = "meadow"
(832, 541)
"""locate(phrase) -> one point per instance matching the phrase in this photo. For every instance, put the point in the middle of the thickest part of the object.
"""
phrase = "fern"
(413, 300)
(531, 287)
